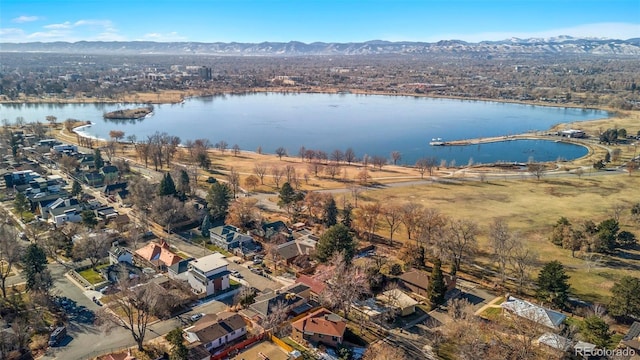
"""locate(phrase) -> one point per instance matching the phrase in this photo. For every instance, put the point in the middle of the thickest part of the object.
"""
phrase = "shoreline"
(177, 97)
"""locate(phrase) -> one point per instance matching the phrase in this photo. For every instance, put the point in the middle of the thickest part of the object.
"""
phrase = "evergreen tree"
(35, 268)
(178, 350)
(625, 298)
(437, 288)
(167, 186)
(552, 284)
(21, 204)
(89, 218)
(330, 216)
(346, 215)
(218, 199)
(596, 331)
(607, 235)
(76, 188)
(183, 183)
(206, 225)
(97, 159)
(287, 195)
(337, 238)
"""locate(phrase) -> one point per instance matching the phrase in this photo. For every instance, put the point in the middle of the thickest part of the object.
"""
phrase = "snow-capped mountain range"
(554, 45)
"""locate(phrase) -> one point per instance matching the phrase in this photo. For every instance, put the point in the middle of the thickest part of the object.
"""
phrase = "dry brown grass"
(531, 208)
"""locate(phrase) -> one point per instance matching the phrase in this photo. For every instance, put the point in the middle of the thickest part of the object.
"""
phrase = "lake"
(370, 124)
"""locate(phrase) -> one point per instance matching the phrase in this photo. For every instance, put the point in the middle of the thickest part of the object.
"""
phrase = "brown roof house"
(291, 251)
(214, 332)
(157, 255)
(418, 281)
(321, 326)
(316, 286)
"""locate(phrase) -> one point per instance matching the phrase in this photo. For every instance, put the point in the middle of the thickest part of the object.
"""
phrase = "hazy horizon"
(329, 21)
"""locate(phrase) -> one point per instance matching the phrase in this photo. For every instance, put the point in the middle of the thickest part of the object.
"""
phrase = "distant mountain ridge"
(555, 45)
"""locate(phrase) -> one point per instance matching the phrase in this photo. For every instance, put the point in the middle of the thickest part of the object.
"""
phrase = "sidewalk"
(491, 304)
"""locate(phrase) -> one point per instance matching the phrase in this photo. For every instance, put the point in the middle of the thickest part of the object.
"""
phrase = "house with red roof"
(316, 286)
(321, 326)
(158, 256)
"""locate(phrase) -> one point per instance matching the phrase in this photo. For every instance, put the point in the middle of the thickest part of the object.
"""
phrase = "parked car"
(57, 335)
(236, 273)
(196, 317)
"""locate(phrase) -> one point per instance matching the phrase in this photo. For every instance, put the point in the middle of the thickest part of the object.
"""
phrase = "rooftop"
(154, 252)
(397, 298)
(533, 312)
(316, 285)
(210, 262)
(323, 322)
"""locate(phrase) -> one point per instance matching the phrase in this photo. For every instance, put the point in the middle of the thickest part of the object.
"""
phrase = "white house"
(118, 254)
(208, 275)
(214, 332)
(538, 314)
(61, 215)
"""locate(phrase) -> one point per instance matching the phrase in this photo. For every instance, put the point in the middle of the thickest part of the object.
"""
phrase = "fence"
(237, 347)
(286, 347)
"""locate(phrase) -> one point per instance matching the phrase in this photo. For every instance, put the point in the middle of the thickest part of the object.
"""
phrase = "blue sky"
(314, 20)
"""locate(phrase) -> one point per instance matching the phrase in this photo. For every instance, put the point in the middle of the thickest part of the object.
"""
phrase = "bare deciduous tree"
(332, 170)
(345, 284)
(430, 225)
(459, 244)
(393, 215)
(349, 156)
(411, 215)
(502, 244)
(281, 152)
(379, 161)
(10, 254)
(536, 169)
(132, 309)
(380, 350)
(366, 219)
(260, 170)
(522, 260)
(91, 246)
(276, 175)
(244, 214)
(233, 178)
(395, 157)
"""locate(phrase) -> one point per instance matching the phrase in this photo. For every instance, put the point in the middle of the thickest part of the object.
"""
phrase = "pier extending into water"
(493, 139)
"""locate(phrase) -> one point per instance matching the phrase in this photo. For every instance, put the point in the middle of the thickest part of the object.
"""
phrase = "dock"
(493, 139)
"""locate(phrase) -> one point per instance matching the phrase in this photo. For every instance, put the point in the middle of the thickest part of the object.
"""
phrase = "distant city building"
(205, 73)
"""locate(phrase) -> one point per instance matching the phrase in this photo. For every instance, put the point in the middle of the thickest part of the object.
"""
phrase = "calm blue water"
(373, 125)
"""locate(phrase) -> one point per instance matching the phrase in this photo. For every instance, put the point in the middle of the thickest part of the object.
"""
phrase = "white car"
(196, 317)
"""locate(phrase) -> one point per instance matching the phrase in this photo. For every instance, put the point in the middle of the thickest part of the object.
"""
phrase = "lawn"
(491, 313)
(93, 276)
(219, 249)
(531, 208)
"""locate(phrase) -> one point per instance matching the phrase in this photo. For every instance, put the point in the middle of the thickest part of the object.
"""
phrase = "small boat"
(436, 142)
